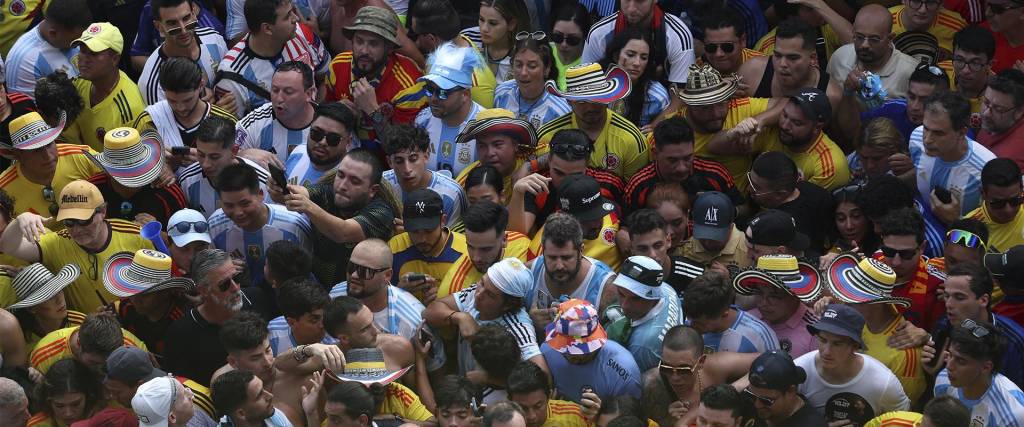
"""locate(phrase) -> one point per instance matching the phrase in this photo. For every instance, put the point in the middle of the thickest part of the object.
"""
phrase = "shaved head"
(872, 35)
(375, 249)
(874, 18)
(683, 338)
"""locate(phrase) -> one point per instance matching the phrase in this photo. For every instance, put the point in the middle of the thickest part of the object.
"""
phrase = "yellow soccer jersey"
(400, 400)
(119, 108)
(87, 292)
(905, 364)
(896, 419)
(946, 24)
(484, 82)
(823, 163)
(766, 44)
(738, 166)
(200, 396)
(55, 347)
(16, 18)
(1001, 237)
(72, 164)
(621, 149)
(407, 259)
(464, 274)
(565, 414)
(73, 319)
(601, 248)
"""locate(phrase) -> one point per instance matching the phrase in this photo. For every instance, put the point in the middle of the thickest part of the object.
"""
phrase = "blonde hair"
(881, 133)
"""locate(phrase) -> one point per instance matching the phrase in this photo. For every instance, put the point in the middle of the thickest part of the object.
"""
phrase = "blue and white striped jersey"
(1002, 404)
(547, 108)
(451, 192)
(300, 169)
(747, 334)
(444, 155)
(590, 290)
(211, 52)
(281, 338)
(655, 103)
(261, 129)
(518, 324)
(963, 176)
(32, 58)
(282, 224)
(199, 191)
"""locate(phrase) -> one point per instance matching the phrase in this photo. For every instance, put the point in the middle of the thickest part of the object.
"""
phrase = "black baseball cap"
(713, 213)
(1009, 264)
(423, 210)
(777, 228)
(775, 370)
(841, 320)
(579, 195)
(131, 365)
(814, 103)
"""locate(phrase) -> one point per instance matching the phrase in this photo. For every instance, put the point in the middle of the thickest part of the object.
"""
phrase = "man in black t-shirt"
(775, 184)
(774, 379)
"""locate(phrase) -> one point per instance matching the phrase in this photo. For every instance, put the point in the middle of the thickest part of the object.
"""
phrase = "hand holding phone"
(277, 174)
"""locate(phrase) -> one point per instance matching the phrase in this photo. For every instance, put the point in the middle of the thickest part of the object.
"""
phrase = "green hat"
(376, 20)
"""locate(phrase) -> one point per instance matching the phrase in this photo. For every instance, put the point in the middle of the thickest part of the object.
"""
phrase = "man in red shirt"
(1002, 115)
(902, 233)
(1005, 19)
(1008, 270)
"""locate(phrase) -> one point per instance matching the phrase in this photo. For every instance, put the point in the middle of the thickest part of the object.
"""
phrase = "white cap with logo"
(153, 400)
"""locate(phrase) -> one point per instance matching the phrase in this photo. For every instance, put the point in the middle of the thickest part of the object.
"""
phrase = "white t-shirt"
(872, 392)
(678, 44)
(1002, 404)
(211, 52)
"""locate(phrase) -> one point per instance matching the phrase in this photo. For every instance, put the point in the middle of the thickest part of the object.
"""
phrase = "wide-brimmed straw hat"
(862, 281)
(499, 120)
(35, 284)
(587, 82)
(132, 160)
(366, 366)
(705, 86)
(29, 131)
(785, 272)
(145, 271)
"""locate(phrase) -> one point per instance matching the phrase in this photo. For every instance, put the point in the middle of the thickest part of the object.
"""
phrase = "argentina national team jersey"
(211, 52)
(678, 44)
(518, 324)
(261, 129)
(282, 224)
(281, 338)
(451, 194)
(590, 290)
(199, 191)
(32, 58)
(444, 155)
(1002, 404)
(548, 107)
(963, 176)
(300, 169)
(746, 335)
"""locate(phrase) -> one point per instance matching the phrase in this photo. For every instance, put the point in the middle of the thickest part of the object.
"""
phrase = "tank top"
(764, 90)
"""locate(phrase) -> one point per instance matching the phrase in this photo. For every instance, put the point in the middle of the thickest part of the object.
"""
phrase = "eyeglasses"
(976, 328)
(860, 39)
(226, 284)
(965, 238)
(576, 151)
(558, 38)
(536, 35)
(960, 62)
(317, 134)
(1001, 203)
(199, 226)
(48, 195)
(930, 5)
(669, 370)
(364, 272)
(999, 9)
(754, 192)
(766, 401)
(188, 26)
(986, 104)
(906, 254)
(68, 223)
(442, 94)
(727, 47)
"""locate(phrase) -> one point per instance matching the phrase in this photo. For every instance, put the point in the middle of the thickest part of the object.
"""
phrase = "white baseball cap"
(153, 400)
(195, 226)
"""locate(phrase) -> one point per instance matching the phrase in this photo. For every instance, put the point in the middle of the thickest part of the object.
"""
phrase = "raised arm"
(21, 236)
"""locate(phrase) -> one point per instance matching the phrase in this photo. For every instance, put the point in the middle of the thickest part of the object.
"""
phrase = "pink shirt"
(793, 335)
(1006, 144)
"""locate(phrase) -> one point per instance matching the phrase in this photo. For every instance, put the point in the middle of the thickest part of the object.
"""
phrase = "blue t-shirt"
(648, 332)
(613, 372)
(747, 334)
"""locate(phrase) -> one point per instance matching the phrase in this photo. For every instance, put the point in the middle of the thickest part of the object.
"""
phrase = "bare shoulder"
(398, 351)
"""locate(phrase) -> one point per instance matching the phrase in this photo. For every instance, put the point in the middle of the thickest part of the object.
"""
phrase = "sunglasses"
(364, 272)
(68, 223)
(317, 134)
(999, 9)
(572, 150)
(49, 197)
(558, 38)
(965, 238)
(976, 329)
(933, 70)
(766, 401)
(727, 47)
(1001, 203)
(188, 26)
(669, 370)
(199, 226)
(226, 284)
(536, 35)
(442, 94)
(906, 254)
(851, 190)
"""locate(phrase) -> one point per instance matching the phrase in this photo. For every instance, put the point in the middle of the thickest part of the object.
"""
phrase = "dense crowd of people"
(508, 213)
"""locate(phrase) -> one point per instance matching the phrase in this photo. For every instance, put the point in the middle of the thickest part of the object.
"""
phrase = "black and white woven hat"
(34, 284)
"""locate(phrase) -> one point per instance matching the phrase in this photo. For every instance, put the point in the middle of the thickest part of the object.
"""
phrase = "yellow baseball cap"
(79, 200)
(101, 36)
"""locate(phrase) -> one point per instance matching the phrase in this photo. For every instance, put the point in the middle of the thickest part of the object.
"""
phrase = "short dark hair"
(645, 221)
(486, 215)
(398, 138)
(923, 74)
(571, 137)
(217, 129)
(243, 331)
(989, 347)
(238, 177)
(722, 19)
(338, 112)
(673, 130)
(439, 16)
(454, 390)
(299, 67)
(70, 376)
(883, 194)
(1011, 82)
(357, 399)
(487, 175)
(6, 206)
(978, 278)
(683, 338)
(179, 75)
(627, 421)
(230, 390)
(1000, 172)
(975, 39)
(495, 350)
(777, 167)
(286, 260)
(954, 105)
(258, 12)
(974, 226)
(723, 397)
(572, 11)
(69, 14)
(502, 412)
(156, 5)
(300, 295)
(560, 229)
(364, 155)
(793, 28)
(100, 334)
(708, 295)
(55, 93)
(526, 377)
(903, 222)
(947, 411)
(336, 313)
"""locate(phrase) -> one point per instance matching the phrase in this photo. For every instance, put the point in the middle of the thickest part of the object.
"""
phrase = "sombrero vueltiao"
(920, 44)
(133, 160)
(705, 86)
(366, 366)
(499, 120)
(29, 131)
(586, 82)
(864, 281)
(785, 272)
(35, 284)
(145, 271)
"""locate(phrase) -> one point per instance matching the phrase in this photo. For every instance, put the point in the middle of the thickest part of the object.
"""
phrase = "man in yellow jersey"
(580, 196)
(1001, 198)
(487, 242)
(502, 141)
(617, 145)
(129, 369)
(433, 23)
(427, 249)
(112, 99)
(528, 385)
(42, 166)
(88, 240)
(91, 344)
(866, 285)
(802, 137)
(941, 411)
(928, 16)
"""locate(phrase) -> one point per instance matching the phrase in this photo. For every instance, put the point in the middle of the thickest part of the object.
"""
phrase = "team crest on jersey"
(608, 235)
(611, 161)
(253, 251)
(100, 133)
(464, 154)
(975, 121)
(446, 148)
(17, 8)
